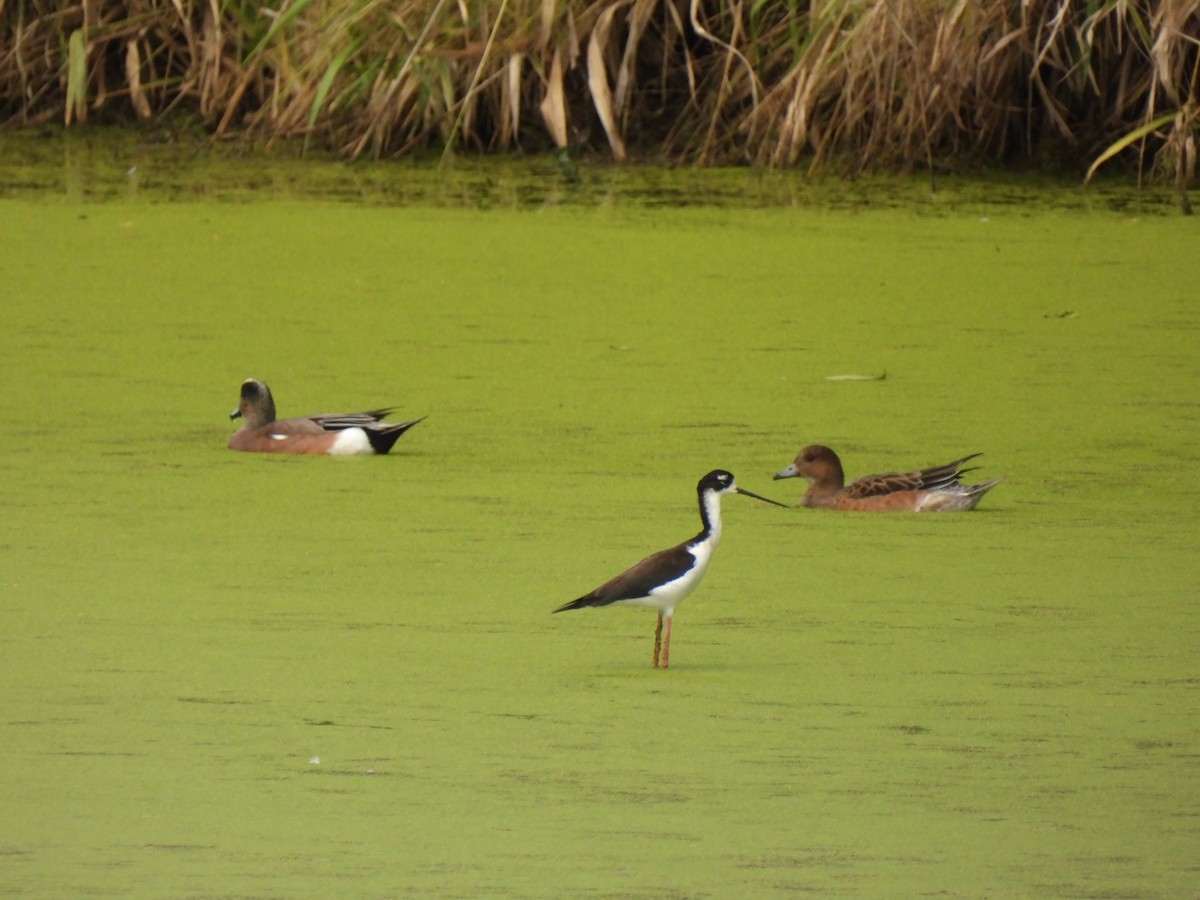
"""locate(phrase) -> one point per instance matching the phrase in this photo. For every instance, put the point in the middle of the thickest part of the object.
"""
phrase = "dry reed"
(856, 84)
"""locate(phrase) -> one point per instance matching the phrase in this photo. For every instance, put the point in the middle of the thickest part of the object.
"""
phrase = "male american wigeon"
(937, 489)
(335, 434)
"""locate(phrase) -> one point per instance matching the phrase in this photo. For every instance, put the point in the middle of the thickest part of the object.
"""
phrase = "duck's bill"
(236, 414)
(789, 472)
(763, 499)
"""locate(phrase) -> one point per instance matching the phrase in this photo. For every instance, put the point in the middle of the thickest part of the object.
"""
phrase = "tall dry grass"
(854, 84)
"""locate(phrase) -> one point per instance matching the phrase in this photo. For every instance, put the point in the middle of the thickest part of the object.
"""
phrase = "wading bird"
(662, 580)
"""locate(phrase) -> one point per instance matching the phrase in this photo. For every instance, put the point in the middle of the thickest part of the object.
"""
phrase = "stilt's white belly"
(667, 596)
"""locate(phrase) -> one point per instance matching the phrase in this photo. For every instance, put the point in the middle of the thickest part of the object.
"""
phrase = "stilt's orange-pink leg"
(657, 639)
(666, 647)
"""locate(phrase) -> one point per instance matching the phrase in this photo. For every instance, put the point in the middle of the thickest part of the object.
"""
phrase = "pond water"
(239, 675)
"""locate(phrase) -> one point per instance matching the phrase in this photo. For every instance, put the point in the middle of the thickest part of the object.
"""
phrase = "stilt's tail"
(580, 603)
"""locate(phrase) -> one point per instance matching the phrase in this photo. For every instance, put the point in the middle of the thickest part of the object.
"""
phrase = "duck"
(936, 489)
(332, 434)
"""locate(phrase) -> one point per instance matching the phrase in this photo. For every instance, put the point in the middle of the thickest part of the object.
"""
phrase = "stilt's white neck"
(710, 515)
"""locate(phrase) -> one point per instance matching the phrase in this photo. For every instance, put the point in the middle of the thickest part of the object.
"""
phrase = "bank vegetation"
(848, 85)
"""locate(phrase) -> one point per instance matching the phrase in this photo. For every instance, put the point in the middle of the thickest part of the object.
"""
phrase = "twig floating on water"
(880, 377)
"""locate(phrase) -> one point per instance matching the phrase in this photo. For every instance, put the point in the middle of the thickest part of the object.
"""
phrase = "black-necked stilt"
(663, 579)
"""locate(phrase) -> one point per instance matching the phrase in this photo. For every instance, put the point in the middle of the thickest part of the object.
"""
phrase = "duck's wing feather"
(931, 479)
(342, 421)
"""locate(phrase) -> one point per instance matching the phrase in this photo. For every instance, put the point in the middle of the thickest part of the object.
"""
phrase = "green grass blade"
(76, 77)
(281, 20)
(325, 85)
(1136, 135)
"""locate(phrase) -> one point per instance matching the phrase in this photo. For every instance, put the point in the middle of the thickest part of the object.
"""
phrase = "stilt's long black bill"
(763, 499)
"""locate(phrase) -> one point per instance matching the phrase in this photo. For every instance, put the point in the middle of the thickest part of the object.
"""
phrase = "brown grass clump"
(859, 84)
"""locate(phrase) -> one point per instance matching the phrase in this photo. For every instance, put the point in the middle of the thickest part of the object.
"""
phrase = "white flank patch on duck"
(351, 442)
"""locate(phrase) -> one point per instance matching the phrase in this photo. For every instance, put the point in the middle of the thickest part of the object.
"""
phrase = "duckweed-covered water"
(237, 675)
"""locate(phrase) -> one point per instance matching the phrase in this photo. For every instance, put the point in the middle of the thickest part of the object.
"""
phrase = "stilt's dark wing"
(639, 580)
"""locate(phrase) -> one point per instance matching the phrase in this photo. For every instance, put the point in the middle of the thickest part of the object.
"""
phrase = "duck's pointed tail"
(384, 437)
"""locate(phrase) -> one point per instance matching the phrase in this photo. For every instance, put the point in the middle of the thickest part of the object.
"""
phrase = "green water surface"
(230, 675)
